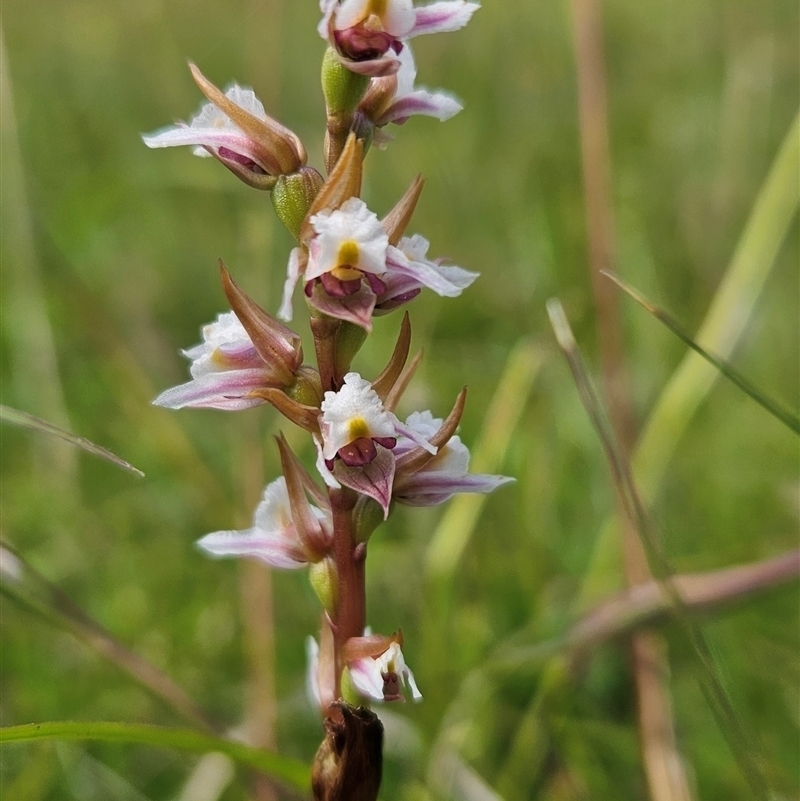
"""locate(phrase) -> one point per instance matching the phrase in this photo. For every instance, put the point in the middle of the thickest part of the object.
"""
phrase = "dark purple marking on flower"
(387, 442)
(339, 289)
(391, 687)
(360, 44)
(375, 284)
(231, 155)
(398, 300)
(358, 452)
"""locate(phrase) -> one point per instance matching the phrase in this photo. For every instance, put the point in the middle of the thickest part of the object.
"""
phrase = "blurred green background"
(109, 258)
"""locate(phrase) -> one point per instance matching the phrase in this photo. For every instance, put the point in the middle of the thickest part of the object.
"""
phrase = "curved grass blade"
(773, 407)
(22, 584)
(25, 420)
(713, 689)
(290, 772)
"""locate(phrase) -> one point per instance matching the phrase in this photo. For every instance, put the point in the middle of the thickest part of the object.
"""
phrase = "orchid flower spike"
(378, 669)
(369, 35)
(274, 537)
(394, 98)
(235, 129)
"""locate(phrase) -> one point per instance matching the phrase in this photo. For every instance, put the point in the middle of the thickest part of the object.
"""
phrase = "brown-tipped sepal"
(387, 380)
(306, 417)
(277, 345)
(316, 536)
(397, 220)
(281, 150)
(343, 183)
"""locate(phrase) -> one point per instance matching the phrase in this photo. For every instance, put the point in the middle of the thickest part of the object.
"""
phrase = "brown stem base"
(349, 762)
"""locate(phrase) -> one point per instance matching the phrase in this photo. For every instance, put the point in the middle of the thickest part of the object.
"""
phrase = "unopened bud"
(367, 516)
(293, 195)
(325, 581)
(307, 388)
(349, 339)
(341, 88)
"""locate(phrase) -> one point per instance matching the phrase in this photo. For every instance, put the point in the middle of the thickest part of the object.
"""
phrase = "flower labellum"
(378, 669)
(358, 435)
(369, 35)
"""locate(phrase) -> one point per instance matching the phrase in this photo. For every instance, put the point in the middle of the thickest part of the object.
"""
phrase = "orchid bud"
(367, 516)
(349, 339)
(293, 195)
(325, 582)
(342, 88)
(307, 389)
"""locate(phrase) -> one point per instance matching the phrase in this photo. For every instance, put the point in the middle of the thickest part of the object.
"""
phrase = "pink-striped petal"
(225, 390)
(429, 104)
(277, 551)
(448, 15)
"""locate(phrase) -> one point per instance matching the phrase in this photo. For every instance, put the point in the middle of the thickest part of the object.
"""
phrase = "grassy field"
(109, 256)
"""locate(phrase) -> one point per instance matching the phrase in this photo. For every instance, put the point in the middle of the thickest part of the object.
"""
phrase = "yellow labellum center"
(347, 261)
(357, 428)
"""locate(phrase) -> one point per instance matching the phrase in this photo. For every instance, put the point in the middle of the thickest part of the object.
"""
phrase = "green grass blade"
(290, 772)
(731, 373)
(727, 318)
(25, 420)
(716, 696)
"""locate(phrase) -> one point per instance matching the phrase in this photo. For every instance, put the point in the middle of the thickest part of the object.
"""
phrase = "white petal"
(292, 276)
(366, 677)
(322, 468)
(353, 223)
(352, 412)
(312, 673)
(351, 12)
